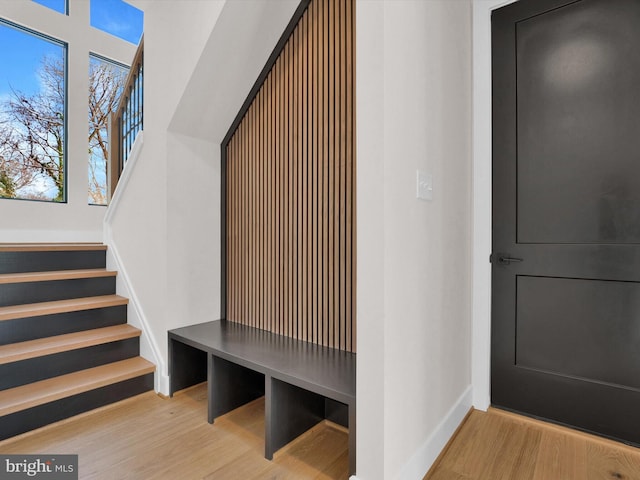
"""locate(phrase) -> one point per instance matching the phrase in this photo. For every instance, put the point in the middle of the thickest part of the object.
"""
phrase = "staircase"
(65, 345)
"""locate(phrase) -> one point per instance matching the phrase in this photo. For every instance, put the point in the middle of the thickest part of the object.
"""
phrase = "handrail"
(127, 119)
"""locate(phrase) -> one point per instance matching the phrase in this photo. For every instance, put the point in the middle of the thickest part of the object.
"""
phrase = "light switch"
(424, 185)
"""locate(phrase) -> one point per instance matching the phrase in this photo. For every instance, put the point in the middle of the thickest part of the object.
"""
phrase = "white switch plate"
(424, 185)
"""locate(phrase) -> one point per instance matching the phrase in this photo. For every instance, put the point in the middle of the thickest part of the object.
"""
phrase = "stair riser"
(20, 262)
(30, 419)
(33, 292)
(32, 370)
(31, 328)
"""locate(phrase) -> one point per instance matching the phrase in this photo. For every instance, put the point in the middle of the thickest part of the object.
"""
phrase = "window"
(57, 5)
(106, 79)
(117, 18)
(32, 116)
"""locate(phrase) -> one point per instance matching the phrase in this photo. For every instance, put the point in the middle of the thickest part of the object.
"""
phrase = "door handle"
(504, 259)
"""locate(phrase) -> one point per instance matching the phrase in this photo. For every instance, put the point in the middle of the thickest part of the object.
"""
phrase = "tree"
(33, 138)
(105, 86)
(13, 175)
(32, 133)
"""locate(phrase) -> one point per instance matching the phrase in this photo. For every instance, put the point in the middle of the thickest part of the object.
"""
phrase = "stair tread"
(60, 306)
(38, 393)
(49, 247)
(61, 343)
(55, 275)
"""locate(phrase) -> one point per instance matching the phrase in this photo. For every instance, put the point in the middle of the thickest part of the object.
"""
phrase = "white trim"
(481, 329)
(124, 287)
(423, 459)
(134, 154)
(136, 316)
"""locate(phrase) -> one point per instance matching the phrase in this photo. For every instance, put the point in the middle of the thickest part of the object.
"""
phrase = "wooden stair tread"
(15, 352)
(60, 306)
(50, 247)
(55, 275)
(38, 393)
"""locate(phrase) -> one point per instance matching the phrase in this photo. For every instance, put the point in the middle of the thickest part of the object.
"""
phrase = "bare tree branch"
(32, 131)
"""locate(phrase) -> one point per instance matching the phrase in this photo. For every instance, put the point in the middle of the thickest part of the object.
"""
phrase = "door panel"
(579, 328)
(566, 200)
(578, 109)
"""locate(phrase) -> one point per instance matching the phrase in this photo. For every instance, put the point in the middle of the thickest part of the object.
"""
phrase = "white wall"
(370, 201)
(26, 221)
(414, 257)
(141, 227)
(201, 60)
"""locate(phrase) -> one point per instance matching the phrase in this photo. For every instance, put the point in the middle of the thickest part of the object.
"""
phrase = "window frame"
(65, 149)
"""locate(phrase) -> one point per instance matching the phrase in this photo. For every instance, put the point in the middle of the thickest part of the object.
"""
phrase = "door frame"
(482, 158)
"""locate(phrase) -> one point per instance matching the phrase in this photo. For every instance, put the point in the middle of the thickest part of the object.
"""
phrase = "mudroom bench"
(303, 383)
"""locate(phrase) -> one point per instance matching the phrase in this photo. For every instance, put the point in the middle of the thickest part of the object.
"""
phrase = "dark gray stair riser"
(34, 292)
(35, 369)
(31, 328)
(20, 262)
(45, 367)
(32, 418)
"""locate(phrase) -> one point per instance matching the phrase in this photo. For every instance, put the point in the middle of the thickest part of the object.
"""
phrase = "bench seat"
(303, 383)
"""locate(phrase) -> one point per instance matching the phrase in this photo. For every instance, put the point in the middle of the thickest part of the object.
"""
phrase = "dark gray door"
(566, 211)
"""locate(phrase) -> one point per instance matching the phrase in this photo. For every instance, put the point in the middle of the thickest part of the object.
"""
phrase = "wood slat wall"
(290, 188)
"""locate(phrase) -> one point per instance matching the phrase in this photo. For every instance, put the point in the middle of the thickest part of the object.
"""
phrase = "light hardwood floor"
(148, 437)
(498, 445)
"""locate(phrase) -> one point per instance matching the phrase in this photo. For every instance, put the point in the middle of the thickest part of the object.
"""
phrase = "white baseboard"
(149, 348)
(136, 317)
(162, 383)
(422, 460)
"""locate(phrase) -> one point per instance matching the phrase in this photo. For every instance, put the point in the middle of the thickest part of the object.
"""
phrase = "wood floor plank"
(477, 446)
(498, 445)
(442, 473)
(462, 451)
(248, 464)
(151, 438)
(312, 451)
(560, 457)
(604, 461)
(522, 445)
(337, 467)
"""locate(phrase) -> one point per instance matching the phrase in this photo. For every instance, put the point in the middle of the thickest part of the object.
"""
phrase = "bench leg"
(230, 386)
(186, 366)
(289, 412)
(210, 389)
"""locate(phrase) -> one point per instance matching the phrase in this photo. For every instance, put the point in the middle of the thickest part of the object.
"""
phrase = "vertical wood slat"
(314, 219)
(305, 178)
(291, 188)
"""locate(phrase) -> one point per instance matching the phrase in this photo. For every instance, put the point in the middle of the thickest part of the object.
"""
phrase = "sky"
(117, 18)
(21, 52)
(20, 57)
